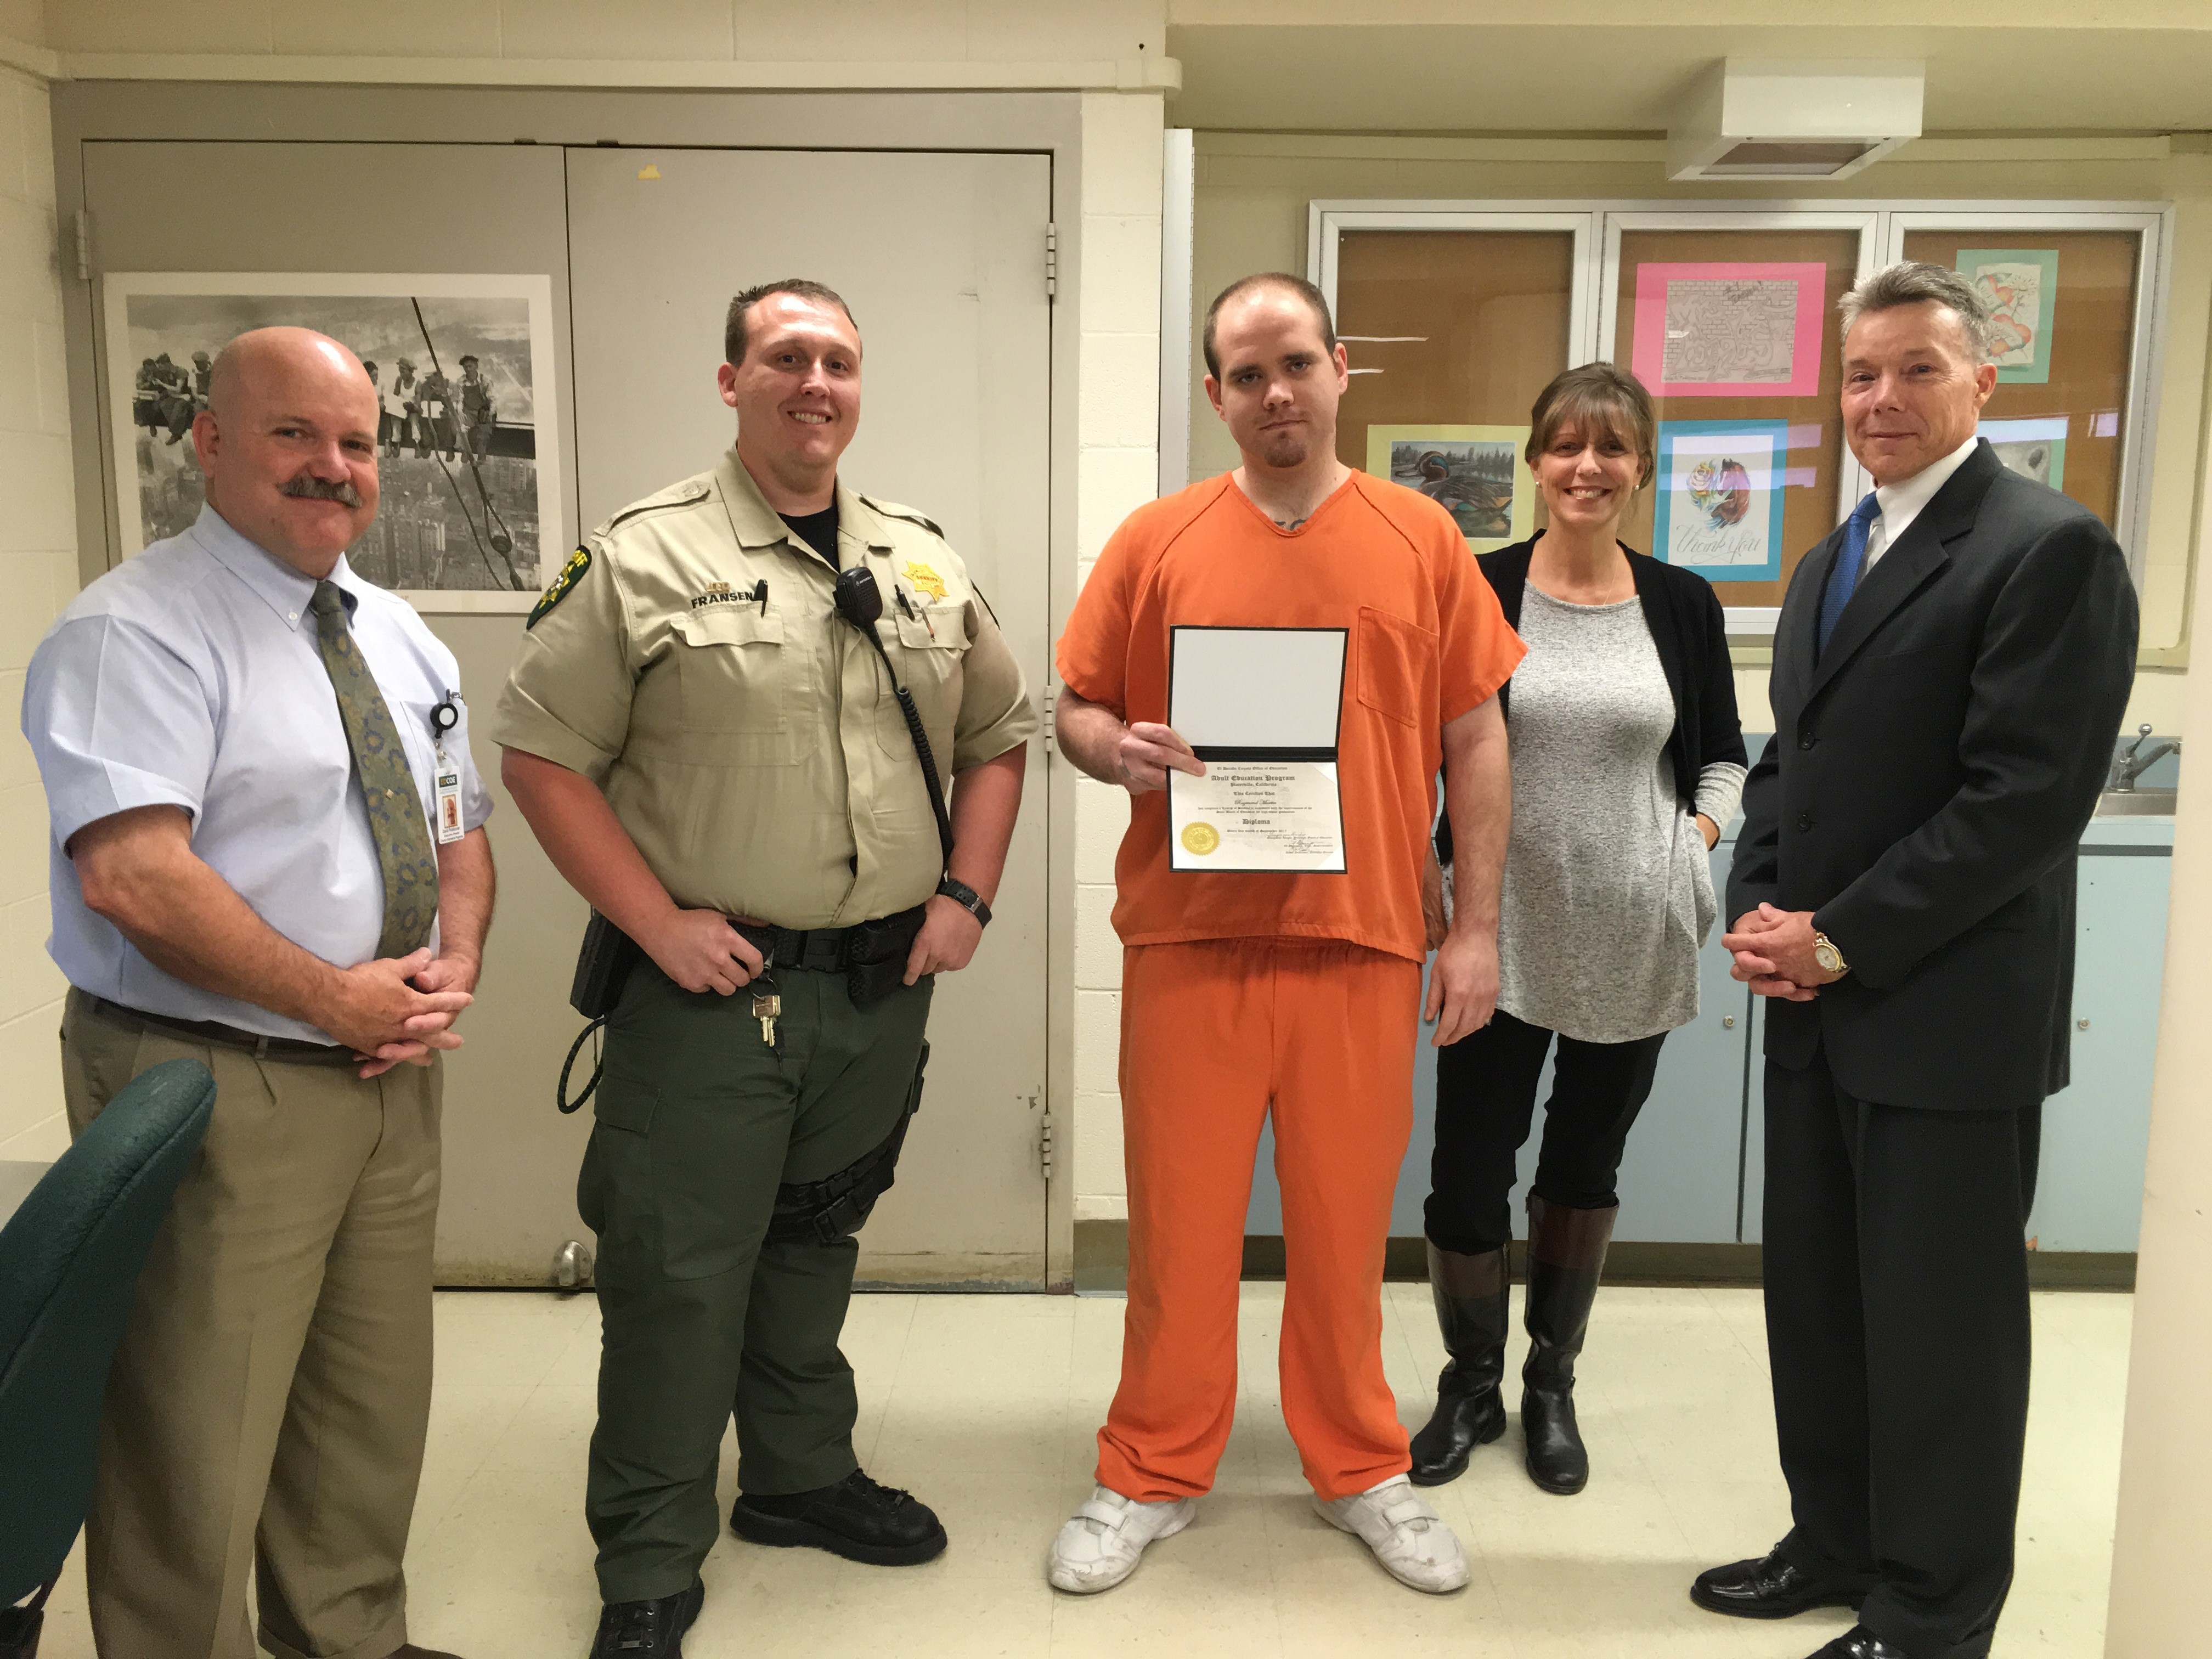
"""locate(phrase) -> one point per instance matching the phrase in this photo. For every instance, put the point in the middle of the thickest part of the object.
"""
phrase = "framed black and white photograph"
(468, 440)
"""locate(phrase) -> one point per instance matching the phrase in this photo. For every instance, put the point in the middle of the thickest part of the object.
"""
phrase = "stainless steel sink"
(2135, 804)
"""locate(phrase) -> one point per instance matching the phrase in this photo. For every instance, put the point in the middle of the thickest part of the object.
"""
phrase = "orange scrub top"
(1426, 643)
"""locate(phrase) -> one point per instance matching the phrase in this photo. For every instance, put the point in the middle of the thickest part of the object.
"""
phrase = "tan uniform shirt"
(755, 752)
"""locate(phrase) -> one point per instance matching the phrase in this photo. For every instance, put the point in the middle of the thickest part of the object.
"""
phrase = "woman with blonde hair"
(1627, 758)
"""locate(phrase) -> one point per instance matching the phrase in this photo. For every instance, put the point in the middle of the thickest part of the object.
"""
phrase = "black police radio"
(860, 602)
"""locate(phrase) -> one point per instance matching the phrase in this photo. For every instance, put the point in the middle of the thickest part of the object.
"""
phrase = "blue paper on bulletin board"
(1719, 509)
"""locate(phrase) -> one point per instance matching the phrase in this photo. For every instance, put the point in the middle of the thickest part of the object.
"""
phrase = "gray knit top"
(1608, 891)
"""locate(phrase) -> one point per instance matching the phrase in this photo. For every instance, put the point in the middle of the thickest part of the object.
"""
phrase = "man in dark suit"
(1950, 669)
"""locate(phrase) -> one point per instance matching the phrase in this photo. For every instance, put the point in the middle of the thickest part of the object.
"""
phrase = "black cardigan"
(1684, 614)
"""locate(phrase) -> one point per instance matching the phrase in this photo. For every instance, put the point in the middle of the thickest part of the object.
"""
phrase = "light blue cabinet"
(1679, 1182)
(1754, 1125)
(1693, 1173)
(2096, 1131)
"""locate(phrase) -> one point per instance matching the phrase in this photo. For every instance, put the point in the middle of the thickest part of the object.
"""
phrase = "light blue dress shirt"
(190, 676)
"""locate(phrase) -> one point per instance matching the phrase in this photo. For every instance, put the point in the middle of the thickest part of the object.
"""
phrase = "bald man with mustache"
(237, 739)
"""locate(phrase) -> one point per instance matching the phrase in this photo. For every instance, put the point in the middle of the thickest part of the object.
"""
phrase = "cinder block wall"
(1117, 471)
(38, 576)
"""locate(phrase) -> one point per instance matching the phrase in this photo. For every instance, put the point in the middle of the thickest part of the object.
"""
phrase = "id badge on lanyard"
(443, 719)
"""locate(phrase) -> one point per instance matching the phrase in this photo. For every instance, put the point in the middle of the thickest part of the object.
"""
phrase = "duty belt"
(827, 950)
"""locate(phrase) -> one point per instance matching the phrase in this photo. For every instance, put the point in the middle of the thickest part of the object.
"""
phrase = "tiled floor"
(985, 1407)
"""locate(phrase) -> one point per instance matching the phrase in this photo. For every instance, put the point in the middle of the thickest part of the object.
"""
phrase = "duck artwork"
(1472, 481)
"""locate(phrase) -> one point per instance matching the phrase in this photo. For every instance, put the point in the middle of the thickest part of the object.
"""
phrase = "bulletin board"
(1793, 451)
(1456, 313)
(1446, 332)
(2088, 323)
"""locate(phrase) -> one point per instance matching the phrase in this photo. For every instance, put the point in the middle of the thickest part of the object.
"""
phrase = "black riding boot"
(1567, 1252)
(1470, 1292)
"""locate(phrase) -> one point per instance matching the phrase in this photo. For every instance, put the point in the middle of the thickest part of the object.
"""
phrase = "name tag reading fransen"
(1261, 706)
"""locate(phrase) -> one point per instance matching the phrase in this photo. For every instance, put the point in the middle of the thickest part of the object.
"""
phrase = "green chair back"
(69, 1260)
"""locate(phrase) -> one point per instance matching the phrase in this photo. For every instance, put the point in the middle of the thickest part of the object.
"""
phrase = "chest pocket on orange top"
(734, 677)
(1397, 667)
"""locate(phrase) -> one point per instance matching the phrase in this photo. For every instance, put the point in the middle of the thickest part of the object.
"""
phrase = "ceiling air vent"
(1759, 117)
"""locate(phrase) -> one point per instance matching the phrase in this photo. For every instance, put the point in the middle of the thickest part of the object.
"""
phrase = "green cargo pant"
(699, 1120)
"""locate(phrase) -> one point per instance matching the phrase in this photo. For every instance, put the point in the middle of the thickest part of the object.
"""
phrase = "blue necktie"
(1844, 579)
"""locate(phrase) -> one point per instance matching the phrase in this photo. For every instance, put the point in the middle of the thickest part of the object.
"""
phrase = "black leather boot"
(1471, 1295)
(857, 1518)
(1567, 1253)
(647, 1630)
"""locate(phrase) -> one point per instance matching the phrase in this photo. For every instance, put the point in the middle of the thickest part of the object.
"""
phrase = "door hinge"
(84, 245)
(1051, 261)
(1044, 1142)
(1051, 721)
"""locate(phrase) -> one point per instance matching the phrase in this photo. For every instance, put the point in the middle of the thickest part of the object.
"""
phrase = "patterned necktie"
(403, 853)
(1844, 579)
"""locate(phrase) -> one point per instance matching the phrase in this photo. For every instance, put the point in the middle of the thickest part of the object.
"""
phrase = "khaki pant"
(267, 1402)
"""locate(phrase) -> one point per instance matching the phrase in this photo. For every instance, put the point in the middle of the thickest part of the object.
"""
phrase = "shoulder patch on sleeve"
(569, 575)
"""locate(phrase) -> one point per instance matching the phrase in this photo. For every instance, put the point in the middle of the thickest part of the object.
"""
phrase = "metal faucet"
(2129, 764)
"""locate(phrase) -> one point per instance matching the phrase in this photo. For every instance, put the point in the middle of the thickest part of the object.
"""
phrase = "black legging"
(1486, 1096)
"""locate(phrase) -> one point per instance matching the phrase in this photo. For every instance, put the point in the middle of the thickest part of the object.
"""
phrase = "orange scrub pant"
(1214, 1033)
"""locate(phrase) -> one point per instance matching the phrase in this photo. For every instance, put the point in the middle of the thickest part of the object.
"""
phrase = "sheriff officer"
(714, 757)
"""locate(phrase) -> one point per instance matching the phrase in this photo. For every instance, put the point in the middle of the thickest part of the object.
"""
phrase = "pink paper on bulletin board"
(1728, 330)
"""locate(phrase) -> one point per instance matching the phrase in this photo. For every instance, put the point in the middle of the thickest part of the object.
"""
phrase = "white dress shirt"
(1900, 503)
(190, 676)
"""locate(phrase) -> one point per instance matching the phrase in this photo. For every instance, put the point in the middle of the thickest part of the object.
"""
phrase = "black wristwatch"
(967, 898)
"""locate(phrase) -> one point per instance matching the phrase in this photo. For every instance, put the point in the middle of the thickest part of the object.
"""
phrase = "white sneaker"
(1411, 1543)
(1099, 1545)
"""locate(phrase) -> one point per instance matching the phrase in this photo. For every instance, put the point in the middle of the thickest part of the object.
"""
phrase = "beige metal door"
(941, 257)
(510, 1160)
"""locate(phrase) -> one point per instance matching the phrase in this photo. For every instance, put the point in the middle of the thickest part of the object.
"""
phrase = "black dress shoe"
(856, 1518)
(1773, 1588)
(648, 1630)
(1860, 1643)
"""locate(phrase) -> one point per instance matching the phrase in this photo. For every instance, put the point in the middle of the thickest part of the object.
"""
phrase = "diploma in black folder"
(1261, 706)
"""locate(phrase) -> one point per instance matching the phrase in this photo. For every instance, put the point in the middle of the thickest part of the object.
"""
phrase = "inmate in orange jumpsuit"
(1298, 992)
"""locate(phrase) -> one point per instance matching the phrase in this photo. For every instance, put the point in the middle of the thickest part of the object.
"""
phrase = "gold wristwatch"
(1829, 958)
